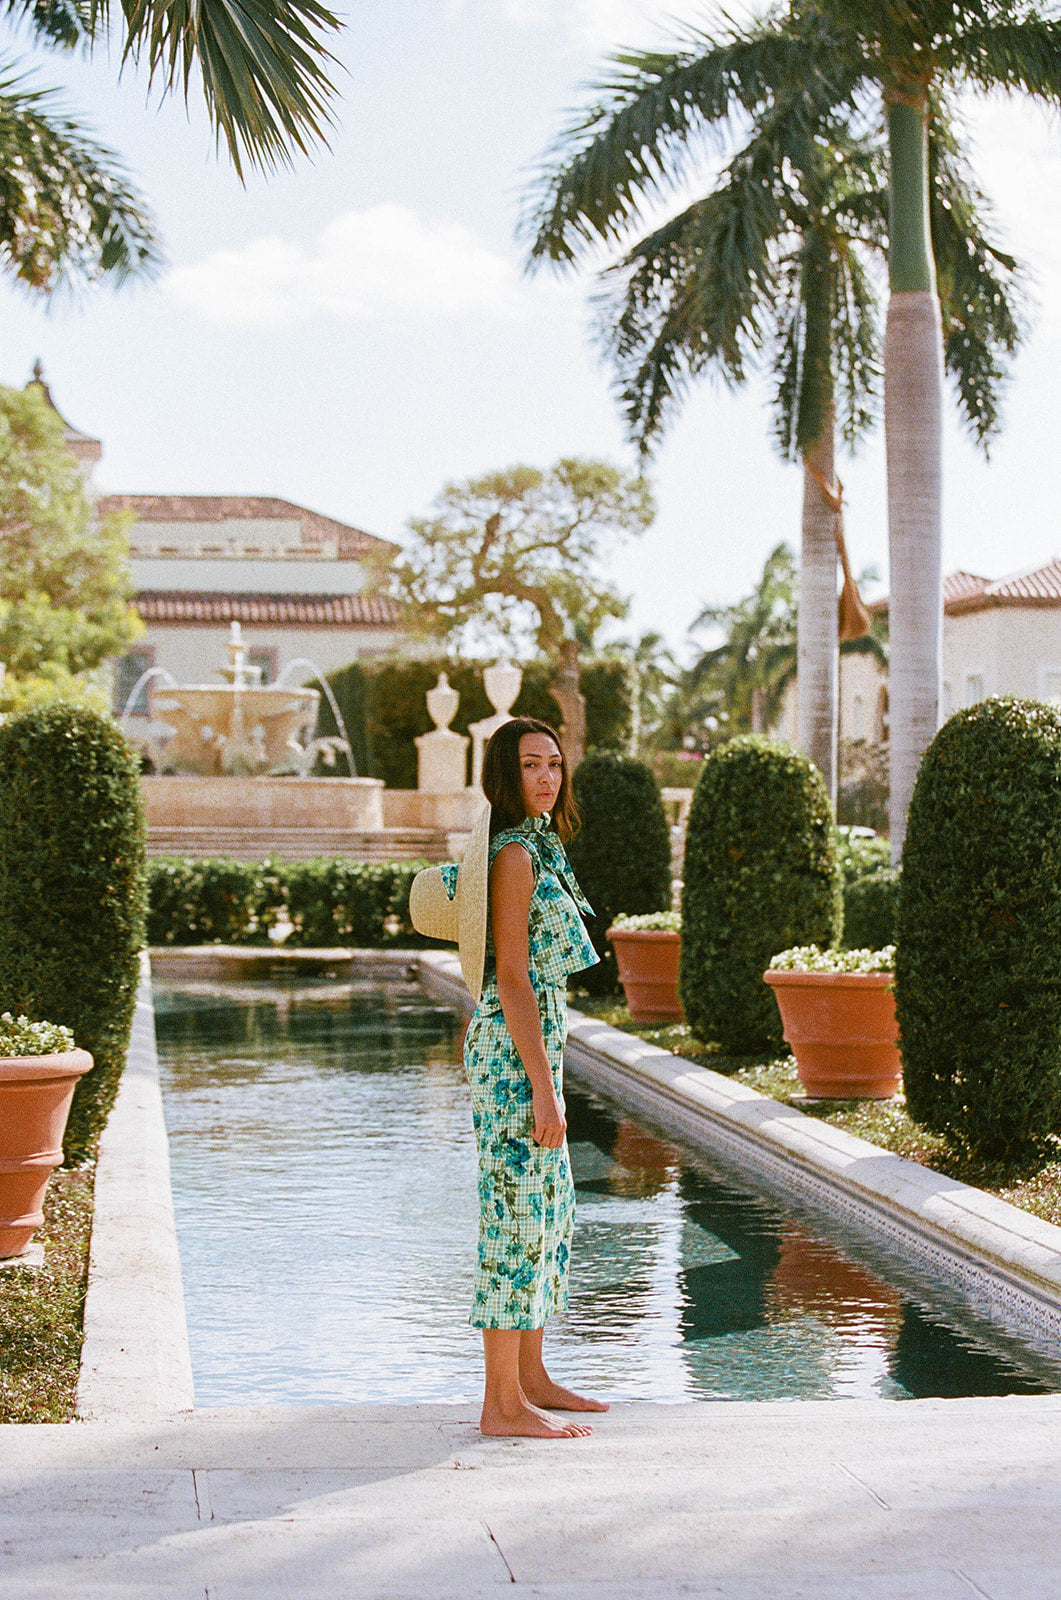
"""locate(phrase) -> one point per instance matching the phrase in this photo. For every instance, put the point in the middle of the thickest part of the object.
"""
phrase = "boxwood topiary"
(72, 892)
(978, 969)
(621, 855)
(870, 905)
(760, 876)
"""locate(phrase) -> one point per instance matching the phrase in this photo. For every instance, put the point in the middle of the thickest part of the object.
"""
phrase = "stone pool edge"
(135, 1359)
(1006, 1261)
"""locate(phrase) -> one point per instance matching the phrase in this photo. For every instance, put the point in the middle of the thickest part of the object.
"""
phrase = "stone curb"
(135, 1361)
(968, 1232)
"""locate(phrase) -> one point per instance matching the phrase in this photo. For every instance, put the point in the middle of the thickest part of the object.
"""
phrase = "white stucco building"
(1000, 636)
(298, 583)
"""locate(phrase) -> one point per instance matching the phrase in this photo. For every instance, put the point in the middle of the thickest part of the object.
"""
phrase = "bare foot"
(527, 1422)
(542, 1391)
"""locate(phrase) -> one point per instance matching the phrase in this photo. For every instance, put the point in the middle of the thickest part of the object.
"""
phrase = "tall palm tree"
(774, 257)
(68, 214)
(824, 58)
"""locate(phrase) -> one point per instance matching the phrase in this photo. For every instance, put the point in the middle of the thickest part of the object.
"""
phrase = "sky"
(354, 332)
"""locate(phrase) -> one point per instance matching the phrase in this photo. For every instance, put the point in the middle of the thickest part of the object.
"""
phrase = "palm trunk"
(913, 384)
(817, 650)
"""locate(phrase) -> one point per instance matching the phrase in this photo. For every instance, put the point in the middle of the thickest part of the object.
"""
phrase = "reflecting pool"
(324, 1182)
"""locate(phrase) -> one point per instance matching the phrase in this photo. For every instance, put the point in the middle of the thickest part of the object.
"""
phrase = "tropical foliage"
(807, 72)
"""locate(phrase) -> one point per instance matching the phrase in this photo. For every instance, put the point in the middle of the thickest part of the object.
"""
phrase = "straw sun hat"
(462, 920)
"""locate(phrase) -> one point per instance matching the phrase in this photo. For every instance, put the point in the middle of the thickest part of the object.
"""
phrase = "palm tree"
(775, 256)
(68, 214)
(823, 59)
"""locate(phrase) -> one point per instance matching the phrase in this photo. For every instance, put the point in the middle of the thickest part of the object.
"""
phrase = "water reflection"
(324, 1179)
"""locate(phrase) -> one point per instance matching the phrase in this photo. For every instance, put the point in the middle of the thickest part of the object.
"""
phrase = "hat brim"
(473, 903)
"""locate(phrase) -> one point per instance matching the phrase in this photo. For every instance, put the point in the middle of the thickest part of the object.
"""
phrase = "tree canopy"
(514, 560)
(65, 584)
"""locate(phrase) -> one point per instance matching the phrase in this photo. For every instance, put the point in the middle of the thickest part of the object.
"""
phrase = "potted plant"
(39, 1070)
(838, 1015)
(648, 949)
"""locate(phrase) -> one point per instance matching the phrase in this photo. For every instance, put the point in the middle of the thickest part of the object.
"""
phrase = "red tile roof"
(965, 591)
(303, 610)
(316, 529)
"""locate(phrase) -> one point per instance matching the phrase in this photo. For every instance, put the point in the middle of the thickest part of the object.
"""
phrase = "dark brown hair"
(503, 780)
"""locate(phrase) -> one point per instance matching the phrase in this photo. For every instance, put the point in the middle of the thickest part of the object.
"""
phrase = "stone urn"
(648, 961)
(842, 1030)
(35, 1096)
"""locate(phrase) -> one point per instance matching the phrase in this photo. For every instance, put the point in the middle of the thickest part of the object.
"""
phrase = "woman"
(514, 1058)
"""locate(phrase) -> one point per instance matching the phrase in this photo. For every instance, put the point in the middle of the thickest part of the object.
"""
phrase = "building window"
(947, 702)
(130, 669)
(974, 688)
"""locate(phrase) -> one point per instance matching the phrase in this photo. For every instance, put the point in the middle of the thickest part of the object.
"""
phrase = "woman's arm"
(511, 887)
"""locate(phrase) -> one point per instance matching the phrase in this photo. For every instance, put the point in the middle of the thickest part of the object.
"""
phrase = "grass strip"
(886, 1123)
(42, 1310)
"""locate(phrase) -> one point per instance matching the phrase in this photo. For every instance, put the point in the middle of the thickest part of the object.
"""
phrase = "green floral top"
(557, 938)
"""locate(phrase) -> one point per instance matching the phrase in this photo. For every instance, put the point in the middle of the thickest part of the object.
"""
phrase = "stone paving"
(918, 1500)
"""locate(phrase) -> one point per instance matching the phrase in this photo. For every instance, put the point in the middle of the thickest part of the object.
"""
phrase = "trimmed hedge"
(337, 902)
(72, 892)
(978, 969)
(329, 902)
(621, 855)
(213, 901)
(870, 908)
(384, 709)
(760, 876)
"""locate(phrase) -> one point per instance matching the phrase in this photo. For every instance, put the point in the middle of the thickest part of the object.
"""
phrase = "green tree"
(65, 584)
(512, 560)
(814, 61)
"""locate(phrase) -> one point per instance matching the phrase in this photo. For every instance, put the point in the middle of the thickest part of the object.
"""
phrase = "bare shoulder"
(512, 867)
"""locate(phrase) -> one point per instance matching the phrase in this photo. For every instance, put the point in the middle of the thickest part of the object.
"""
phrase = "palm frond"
(68, 213)
(63, 23)
(1021, 53)
(647, 132)
(264, 66)
(981, 286)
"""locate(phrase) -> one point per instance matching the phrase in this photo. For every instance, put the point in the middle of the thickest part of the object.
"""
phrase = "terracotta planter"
(842, 1030)
(35, 1096)
(648, 971)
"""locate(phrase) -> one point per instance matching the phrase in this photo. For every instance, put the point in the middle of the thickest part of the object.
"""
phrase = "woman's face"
(541, 768)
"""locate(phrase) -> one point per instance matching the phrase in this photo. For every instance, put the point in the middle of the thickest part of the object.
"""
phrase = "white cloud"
(365, 265)
(594, 26)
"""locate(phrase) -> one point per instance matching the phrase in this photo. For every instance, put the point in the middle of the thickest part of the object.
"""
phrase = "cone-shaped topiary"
(760, 876)
(978, 966)
(72, 892)
(621, 855)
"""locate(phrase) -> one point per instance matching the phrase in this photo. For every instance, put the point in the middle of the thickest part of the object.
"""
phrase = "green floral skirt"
(526, 1196)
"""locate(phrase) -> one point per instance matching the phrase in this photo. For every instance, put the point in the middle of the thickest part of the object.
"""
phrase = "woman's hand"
(550, 1124)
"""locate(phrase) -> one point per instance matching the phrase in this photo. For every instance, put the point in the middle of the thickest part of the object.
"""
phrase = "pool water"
(324, 1182)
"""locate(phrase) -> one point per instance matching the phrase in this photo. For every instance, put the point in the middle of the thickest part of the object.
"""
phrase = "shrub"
(384, 709)
(337, 902)
(72, 892)
(760, 876)
(870, 906)
(621, 856)
(978, 972)
(858, 854)
(213, 901)
(21, 1037)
